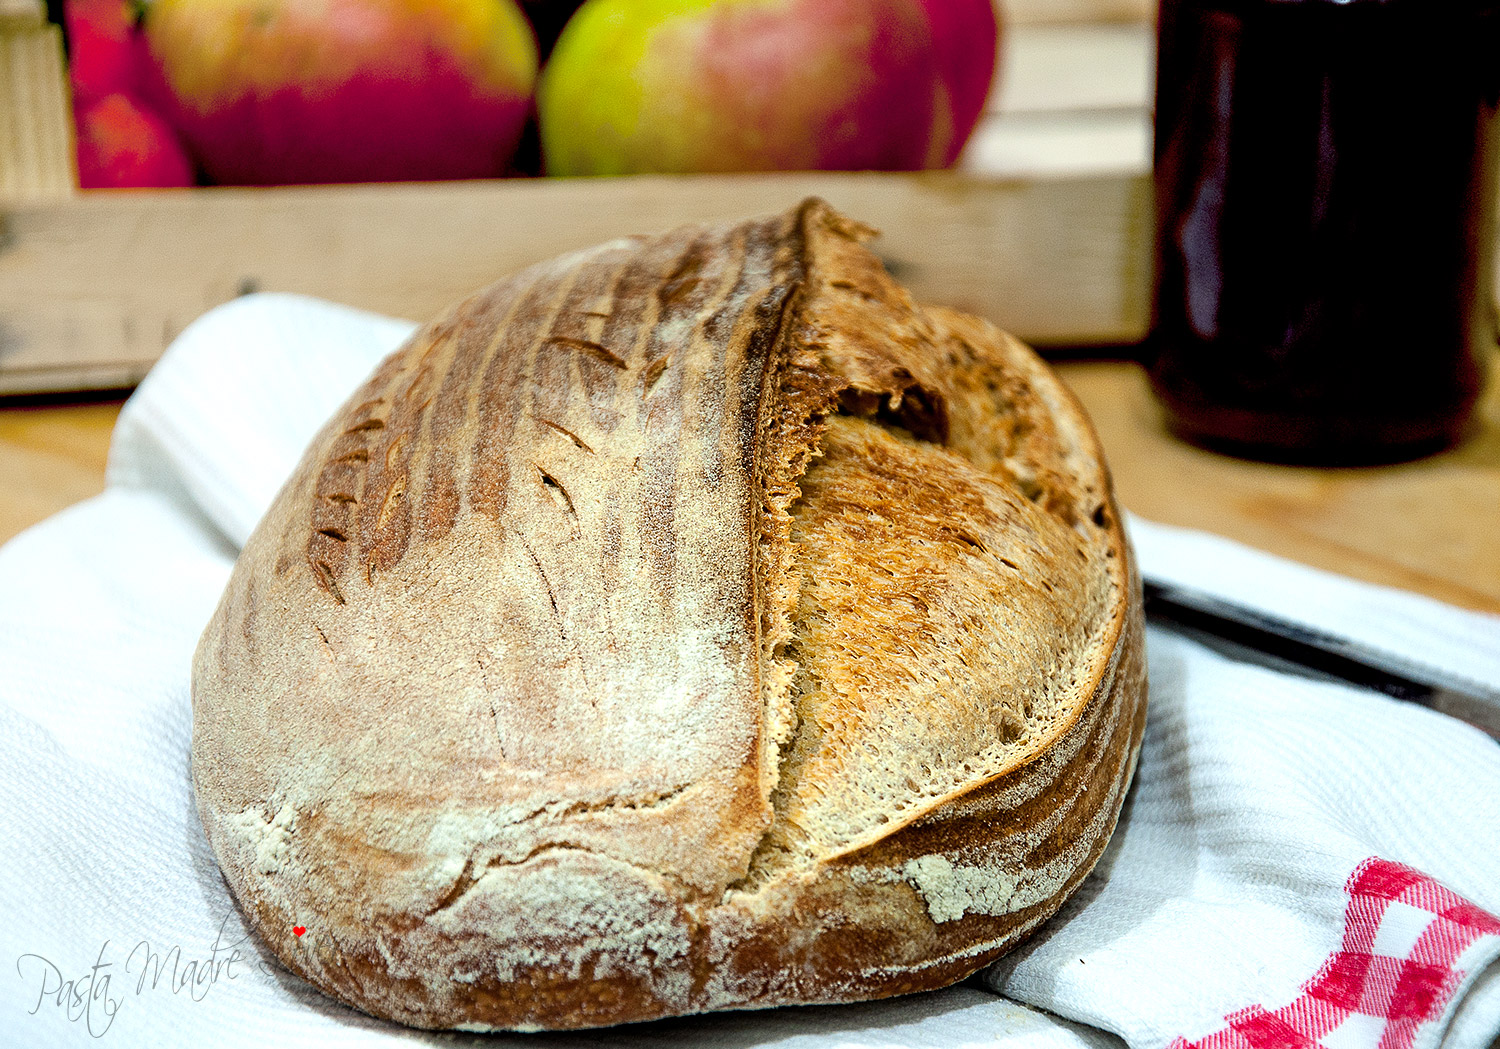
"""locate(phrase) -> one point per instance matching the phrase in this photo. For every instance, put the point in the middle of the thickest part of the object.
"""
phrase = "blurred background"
(158, 157)
(172, 93)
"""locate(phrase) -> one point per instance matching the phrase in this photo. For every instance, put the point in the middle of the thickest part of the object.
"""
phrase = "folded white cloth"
(1299, 863)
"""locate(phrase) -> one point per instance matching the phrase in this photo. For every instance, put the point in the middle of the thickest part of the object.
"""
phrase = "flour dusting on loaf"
(692, 622)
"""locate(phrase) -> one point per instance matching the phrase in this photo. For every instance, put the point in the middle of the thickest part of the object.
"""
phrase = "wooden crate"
(1044, 226)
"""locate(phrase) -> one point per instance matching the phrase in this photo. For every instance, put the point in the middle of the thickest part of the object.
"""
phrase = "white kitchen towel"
(1299, 863)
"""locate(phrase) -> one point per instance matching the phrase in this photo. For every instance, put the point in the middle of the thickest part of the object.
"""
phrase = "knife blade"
(1249, 634)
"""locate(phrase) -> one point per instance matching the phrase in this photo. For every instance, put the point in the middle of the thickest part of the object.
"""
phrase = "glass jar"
(1325, 178)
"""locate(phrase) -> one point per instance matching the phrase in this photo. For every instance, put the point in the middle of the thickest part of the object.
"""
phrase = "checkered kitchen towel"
(1403, 956)
(1299, 863)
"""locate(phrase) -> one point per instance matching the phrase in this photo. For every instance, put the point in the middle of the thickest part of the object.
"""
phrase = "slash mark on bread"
(600, 353)
(325, 577)
(558, 493)
(569, 434)
(654, 372)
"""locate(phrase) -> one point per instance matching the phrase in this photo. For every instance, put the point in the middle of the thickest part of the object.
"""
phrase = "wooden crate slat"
(107, 280)
(36, 129)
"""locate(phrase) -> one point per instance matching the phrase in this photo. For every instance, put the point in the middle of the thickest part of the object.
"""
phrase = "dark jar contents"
(1325, 195)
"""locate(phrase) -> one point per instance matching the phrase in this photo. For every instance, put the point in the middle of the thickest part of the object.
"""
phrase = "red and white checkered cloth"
(1405, 952)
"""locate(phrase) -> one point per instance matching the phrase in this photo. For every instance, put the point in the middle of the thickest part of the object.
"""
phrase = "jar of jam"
(1325, 177)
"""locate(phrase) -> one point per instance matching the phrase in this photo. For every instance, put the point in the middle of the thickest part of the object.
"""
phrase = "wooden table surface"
(1428, 526)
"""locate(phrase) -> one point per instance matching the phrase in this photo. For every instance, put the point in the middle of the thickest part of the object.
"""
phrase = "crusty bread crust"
(695, 622)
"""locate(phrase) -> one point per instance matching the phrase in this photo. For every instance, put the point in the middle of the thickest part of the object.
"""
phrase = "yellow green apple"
(744, 85)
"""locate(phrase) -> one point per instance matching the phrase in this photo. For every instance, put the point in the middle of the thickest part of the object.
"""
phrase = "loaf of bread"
(694, 622)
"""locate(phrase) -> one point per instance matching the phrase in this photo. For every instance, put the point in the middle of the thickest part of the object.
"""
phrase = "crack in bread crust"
(665, 627)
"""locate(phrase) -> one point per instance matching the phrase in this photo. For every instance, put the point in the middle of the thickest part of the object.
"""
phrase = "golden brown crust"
(694, 622)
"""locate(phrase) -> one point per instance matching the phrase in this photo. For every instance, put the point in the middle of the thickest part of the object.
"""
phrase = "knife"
(1250, 635)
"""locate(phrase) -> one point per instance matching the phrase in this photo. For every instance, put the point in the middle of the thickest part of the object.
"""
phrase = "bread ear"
(694, 622)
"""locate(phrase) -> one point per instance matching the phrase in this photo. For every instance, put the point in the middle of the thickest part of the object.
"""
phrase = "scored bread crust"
(693, 622)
